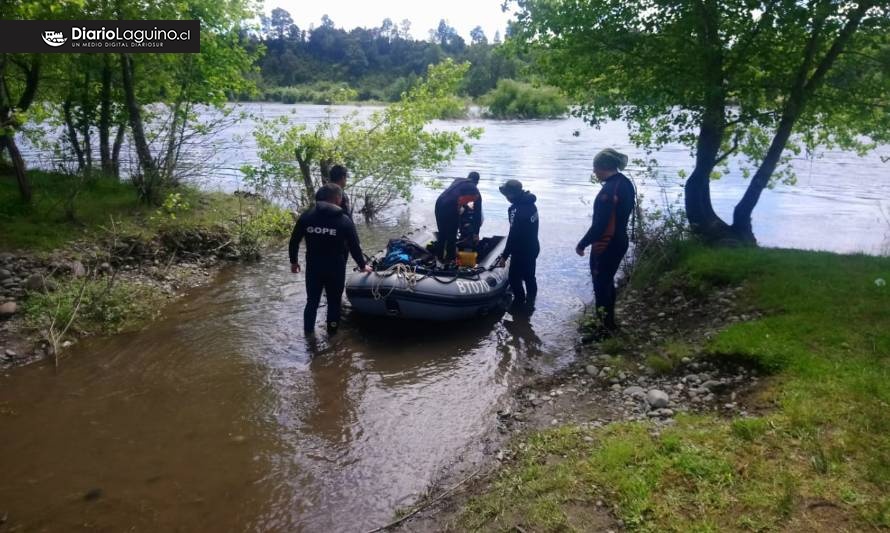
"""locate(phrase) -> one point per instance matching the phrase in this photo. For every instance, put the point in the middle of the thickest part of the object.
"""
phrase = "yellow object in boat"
(467, 258)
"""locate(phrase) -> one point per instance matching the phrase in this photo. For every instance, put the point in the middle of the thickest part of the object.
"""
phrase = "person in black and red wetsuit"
(607, 235)
(327, 231)
(462, 196)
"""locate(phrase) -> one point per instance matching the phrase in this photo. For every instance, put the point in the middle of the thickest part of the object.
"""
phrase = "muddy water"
(222, 417)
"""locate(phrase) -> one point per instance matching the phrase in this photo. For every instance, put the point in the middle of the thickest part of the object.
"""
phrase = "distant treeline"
(325, 63)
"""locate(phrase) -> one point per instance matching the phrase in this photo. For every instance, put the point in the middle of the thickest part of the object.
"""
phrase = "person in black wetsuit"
(462, 195)
(338, 175)
(327, 231)
(522, 244)
(607, 235)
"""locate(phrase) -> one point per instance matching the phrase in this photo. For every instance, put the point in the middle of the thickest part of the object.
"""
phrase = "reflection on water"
(223, 417)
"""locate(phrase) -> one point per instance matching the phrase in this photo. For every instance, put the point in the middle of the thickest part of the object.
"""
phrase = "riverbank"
(87, 259)
(748, 391)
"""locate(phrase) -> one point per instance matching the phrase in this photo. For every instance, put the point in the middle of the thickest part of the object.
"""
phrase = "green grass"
(104, 307)
(45, 224)
(825, 336)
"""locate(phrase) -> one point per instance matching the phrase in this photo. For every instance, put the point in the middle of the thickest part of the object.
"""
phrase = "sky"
(463, 15)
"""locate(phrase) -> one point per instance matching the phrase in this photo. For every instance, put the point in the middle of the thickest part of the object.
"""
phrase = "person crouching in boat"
(608, 234)
(462, 197)
(327, 231)
(522, 246)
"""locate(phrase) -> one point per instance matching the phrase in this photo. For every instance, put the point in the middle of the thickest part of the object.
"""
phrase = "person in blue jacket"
(522, 246)
(607, 235)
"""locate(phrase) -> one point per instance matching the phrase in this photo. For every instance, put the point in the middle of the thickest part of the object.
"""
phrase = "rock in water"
(657, 399)
(592, 370)
(8, 309)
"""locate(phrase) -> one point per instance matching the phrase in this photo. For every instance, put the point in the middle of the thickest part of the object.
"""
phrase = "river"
(222, 417)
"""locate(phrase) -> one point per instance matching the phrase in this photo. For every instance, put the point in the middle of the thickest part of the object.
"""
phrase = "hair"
(473, 176)
(610, 159)
(328, 193)
(337, 173)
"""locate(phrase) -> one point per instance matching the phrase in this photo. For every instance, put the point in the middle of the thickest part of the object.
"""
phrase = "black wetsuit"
(523, 247)
(327, 230)
(460, 193)
(608, 236)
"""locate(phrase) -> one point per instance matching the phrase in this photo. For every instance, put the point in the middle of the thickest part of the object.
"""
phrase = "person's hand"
(579, 250)
(295, 268)
(367, 269)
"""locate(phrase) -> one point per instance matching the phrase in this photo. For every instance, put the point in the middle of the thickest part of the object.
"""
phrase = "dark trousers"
(522, 270)
(331, 282)
(446, 246)
(603, 268)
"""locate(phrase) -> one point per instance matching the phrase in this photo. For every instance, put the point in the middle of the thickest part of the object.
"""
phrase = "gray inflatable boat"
(420, 293)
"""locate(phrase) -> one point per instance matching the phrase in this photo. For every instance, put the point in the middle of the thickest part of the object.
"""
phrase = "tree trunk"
(306, 172)
(703, 220)
(7, 122)
(18, 165)
(105, 155)
(116, 150)
(741, 216)
(71, 133)
(149, 172)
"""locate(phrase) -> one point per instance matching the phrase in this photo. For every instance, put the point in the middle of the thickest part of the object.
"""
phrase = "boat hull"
(407, 294)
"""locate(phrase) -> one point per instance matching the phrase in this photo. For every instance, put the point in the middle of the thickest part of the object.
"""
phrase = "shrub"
(511, 99)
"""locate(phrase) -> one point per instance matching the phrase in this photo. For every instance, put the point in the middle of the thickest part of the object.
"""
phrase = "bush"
(516, 100)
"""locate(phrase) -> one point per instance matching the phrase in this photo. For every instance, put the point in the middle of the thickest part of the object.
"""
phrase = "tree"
(282, 25)
(447, 37)
(382, 152)
(20, 76)
(477, 36)
(747, 79)
(181, 84)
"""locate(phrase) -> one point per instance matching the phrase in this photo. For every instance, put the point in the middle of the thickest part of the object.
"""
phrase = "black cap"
(511, 187)
(473, 176)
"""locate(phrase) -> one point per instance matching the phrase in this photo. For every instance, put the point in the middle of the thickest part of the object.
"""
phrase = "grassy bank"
(815, 457)
(53, 219)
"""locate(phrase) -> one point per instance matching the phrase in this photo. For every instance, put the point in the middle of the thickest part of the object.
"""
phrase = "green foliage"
(513, 99)
(382, 151)
(378, 63)
(262, 227)
(174, 203)
(825, 334)
(104, 307)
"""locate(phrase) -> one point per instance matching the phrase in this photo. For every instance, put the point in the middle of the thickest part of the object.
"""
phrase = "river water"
(223, 417)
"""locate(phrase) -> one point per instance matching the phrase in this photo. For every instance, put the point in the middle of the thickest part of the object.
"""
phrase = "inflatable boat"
(431, 292)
